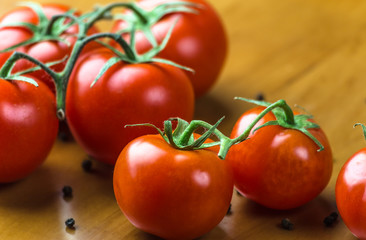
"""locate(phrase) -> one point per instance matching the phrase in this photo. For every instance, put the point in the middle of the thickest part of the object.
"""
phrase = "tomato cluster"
(177, 184)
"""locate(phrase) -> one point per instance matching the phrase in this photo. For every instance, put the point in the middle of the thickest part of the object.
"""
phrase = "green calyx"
(182, 136)
(54, 29)
(143, 20)
(286, 118)
(130, 55)
(46, 29)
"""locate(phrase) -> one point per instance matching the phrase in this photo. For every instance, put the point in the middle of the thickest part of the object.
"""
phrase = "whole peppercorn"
(67, 191)
(70, 223)
(330, 219)
(87, 165)
(260, 97)
(287, 224)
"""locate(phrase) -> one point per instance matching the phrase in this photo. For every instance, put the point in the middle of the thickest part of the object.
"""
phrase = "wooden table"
(308, 52)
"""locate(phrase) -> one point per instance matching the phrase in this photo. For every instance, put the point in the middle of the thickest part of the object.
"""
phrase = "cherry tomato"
(277, 167)
(28, 128)
(198, 41)
(171, 193)
(44, 51)
(350, 193)
(125, 94)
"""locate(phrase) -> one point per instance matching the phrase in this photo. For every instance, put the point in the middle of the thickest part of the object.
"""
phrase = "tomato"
(171, 193)
(198, 41)
(350, 192)
(125, 94)
(44, 51)
(277, 167)
(28, 128)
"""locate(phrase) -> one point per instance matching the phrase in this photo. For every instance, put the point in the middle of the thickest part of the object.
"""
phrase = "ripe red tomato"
(277, 167)
(44, 51)
(28, 128)
(171, 193)
(350, 193)
(125, 94)
(198, 41)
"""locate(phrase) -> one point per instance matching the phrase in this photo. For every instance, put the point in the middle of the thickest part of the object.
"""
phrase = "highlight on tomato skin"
(173, 194)
(350, 193)
(28, 128)
(277, 167)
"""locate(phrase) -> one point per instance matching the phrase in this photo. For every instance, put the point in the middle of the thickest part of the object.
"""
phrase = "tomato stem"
(82, 26)
(100, 12)
(227, 143)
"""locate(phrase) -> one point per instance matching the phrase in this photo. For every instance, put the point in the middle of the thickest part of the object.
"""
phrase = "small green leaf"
(257, 102)
(60, 25)
(50, 64)
(168, 130)
(165, 61)
(107, 65)
(177, 9)
(113, 49)
(146, 125)
(269, 123)
(22, 78)
(199, 142)
(31, 27)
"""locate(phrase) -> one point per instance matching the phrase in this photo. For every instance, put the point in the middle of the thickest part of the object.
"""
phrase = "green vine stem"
(363, 128)
(182, 136)
(61, 78)
(46, 30)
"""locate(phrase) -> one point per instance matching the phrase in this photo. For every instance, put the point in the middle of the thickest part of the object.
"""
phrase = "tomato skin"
(125, 94)
(277, 167)
(171, 193)
(202, 47)
(28, 128)
(44, 51)
(350, 192)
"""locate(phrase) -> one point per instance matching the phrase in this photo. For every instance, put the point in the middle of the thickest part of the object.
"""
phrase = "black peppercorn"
(260, 97)
(330, 219)
(287, 224)
(67, 191)
(70, 223)
(87, 165)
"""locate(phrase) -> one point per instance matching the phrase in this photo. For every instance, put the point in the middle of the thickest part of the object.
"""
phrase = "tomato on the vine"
(28, 127)
(171, 193)
(350, 193)
(45, 51)
(279, 167)
(125, 94)
(198, 41)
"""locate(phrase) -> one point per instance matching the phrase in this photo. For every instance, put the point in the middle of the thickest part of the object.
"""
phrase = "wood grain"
(308, 52)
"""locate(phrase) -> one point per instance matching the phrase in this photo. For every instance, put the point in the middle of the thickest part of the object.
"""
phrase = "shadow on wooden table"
(34, 192)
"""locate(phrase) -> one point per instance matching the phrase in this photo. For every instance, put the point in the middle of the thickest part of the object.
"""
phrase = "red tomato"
(28, 128)
(125, 94)
(171, 193)
(350, 193)
(198, 41)
(277, 167)
(44, 51)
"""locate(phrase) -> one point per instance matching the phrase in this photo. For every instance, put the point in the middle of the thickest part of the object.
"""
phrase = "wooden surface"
(308, 52)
